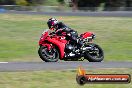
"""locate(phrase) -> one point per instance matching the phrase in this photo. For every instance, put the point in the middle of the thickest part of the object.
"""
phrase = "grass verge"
(19, 35)
(56, 79)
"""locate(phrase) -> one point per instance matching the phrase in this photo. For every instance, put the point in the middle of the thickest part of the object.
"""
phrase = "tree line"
(106, 4)
(21, 2)
(76, 4)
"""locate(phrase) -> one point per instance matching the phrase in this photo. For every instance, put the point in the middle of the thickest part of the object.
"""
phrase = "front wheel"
(46, 55)
(94, 53)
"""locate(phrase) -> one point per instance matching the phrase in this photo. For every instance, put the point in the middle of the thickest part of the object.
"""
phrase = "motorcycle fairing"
(44, 35)
(60, 45)
(86, 34)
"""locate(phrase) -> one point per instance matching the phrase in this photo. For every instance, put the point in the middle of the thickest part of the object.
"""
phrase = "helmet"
(52, 23)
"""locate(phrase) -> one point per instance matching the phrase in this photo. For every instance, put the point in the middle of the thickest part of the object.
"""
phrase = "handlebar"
(56, 36)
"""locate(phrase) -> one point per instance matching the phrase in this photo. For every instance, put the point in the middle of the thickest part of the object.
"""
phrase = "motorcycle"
(54, 47)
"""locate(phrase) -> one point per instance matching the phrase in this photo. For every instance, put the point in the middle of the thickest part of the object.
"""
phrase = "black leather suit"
(71, 34)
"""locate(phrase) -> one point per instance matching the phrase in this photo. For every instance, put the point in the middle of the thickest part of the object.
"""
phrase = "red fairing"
(60, 44)
(48, 41)
(86, 34)
(44, 35)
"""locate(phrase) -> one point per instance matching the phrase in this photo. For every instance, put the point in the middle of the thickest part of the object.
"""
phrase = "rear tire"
(48, 55)
(97, 55)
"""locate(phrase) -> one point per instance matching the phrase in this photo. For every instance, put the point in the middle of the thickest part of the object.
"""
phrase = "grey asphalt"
(36, 66)
(93, 14)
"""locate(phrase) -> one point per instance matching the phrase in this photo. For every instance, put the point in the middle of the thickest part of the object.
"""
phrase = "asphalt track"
(68, 65)
(92, 14)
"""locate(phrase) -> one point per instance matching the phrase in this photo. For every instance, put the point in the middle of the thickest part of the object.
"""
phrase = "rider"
(60, 27)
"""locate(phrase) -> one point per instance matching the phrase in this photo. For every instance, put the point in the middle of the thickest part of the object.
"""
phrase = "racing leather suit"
(70, 33)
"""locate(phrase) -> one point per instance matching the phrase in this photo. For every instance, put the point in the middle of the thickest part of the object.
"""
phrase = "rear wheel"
(94, 54)
(46, 55)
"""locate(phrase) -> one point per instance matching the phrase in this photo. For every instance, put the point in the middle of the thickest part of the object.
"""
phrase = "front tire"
(46, 55)
(94, 55)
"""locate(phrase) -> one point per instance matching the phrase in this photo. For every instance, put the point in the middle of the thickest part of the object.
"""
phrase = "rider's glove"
(69, 34)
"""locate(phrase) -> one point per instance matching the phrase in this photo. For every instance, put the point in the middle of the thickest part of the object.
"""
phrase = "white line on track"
(3, 62)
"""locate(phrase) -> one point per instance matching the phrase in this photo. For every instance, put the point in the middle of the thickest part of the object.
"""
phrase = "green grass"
(51, 3)
(56, 79)
(19, 35)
